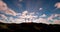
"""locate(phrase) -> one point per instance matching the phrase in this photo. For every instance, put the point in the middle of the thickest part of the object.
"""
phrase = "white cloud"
(1, 20)
(23, 17)
(43, 15)
(11, 12)
(30, 17)
(3, 16)
(3, 5)
(51, 17)
(57, 5)
(42, 20)
(57, 15)
(47, 20)
(24, 13)
(5, 9)
(56, 22)
(40, 8)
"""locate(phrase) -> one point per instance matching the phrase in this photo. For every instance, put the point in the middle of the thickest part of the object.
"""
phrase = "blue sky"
(33, 5)
(39, 7)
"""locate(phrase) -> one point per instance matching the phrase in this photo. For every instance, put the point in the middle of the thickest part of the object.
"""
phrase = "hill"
(30, 27)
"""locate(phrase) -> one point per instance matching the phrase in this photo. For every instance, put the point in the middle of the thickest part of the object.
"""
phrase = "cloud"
(42, 20)
(57, 15)
(22, 17)
(17, 21)
(43, 15)
(3, 5)
(24, 13)
(26, 17)
(3, 16)
(56, 22)
(11, 12)
(1, 20)
(5, 9)
(57, 5)
(47, 20)
(40, 8)
(51, 17)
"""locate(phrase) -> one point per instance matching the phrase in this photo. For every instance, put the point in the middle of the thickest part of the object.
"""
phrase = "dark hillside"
(30, 27)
